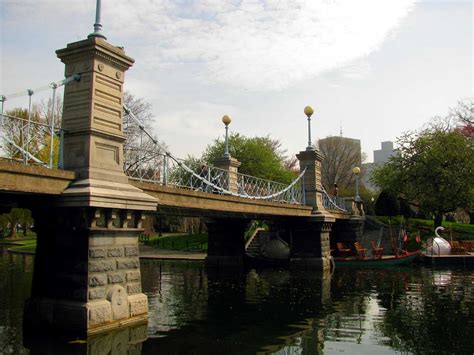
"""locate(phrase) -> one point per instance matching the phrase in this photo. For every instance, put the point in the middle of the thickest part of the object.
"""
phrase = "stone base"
(127, 339)
(312, 263)
(224, 261)
(83, 319)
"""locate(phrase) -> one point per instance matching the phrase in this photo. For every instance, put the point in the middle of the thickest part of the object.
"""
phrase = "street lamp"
(226, 120)
(356, 172)
(308, 111)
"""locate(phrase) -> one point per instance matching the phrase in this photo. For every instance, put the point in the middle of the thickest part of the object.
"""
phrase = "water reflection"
(194, 310)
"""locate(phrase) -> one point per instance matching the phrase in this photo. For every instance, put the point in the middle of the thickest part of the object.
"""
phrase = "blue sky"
(376, 68)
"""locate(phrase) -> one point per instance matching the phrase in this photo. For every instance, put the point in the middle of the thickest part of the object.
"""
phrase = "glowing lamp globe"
(226, 119)
(356, 170)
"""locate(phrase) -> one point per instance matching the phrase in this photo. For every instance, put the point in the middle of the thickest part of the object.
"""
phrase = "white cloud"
(256, 45)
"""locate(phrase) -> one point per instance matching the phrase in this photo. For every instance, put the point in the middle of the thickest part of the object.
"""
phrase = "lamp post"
(226, 120)
(308, 111)
(356, 172)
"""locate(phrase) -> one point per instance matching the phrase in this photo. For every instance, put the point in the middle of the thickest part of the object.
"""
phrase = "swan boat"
(439, 252)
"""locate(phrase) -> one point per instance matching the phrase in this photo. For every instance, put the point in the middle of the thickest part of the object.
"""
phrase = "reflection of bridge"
(88, 214)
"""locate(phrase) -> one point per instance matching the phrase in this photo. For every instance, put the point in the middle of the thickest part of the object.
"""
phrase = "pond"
(197, 311)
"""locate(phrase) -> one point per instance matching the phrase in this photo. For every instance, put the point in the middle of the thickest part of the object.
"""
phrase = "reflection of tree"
(433, 319)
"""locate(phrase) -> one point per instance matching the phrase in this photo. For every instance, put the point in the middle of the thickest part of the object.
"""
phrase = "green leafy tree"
(10, 221)
(387, 204)
(434, 171)
(262, 157)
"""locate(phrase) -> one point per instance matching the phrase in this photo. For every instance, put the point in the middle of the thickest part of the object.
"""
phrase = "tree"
(340, 156)
(434, 171)
(387, 204)
(142, 156)
(10, 221)
(463, 113)
(260, 156)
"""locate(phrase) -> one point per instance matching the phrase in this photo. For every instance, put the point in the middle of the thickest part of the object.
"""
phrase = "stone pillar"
(310, 243)
(311, 161)
(232, 166)
(310, 240)
(87, 272)
(226, 242)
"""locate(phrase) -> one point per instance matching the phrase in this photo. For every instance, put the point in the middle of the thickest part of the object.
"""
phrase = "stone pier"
(87, 271)
(226, 242)
(310, 236)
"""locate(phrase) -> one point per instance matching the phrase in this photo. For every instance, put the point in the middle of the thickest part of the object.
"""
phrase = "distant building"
(381, 156)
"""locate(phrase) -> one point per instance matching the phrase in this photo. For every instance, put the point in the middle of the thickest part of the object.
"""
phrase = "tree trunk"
(471, 217)
(438, 219)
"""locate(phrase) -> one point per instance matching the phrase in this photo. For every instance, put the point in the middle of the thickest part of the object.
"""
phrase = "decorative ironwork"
(333, 203)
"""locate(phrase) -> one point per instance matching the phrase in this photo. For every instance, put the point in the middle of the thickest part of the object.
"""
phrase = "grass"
(425, 227)
(27, 245)
(194, 242)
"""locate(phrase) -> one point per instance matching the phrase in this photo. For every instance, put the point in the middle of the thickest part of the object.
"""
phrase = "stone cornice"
(96, 47)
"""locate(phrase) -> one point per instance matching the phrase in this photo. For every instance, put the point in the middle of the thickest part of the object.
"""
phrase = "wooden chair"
(468, 245)
(361, 251)
(343, 250)
(457, 248)
(377, 252)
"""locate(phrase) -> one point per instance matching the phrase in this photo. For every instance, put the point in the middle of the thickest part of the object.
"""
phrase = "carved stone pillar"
(87, 272)
(311, 247)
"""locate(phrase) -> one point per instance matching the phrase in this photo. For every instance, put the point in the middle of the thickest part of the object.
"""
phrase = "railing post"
(165, 170)
(51, 148)
(61, 149)
(26, 142)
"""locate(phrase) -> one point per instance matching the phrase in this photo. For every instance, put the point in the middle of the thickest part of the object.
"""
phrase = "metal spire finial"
(97, 25)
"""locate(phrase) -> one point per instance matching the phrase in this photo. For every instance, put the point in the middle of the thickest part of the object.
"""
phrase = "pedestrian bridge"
(89, 189)
(21, 185)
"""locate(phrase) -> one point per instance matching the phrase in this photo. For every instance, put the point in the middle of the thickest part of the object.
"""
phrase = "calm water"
(405, 310)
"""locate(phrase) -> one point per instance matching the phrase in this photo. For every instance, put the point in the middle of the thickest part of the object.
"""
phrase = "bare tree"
(142, 155)
(340, 156)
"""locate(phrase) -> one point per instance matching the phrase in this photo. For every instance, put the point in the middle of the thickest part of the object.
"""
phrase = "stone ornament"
(100, 67)
(118, 298)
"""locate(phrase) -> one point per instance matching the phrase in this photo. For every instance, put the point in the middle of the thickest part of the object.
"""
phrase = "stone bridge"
(89, 215)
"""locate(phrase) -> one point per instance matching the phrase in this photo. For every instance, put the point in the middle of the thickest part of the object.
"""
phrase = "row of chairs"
(462, 247)
(360, 251)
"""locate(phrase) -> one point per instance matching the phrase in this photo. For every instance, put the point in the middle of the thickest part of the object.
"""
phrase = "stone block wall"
(114, 280)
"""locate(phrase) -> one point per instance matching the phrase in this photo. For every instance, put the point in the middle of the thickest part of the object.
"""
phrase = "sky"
(371, 68)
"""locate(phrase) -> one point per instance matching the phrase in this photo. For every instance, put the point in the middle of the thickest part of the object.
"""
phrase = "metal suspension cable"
(331, 201)
(189, 170)
(58, 83)
(268, 197)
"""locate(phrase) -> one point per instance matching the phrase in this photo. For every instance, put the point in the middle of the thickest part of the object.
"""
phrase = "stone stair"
(254, 245)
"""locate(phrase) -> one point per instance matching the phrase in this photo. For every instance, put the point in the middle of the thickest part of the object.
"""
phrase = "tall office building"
(381, 155)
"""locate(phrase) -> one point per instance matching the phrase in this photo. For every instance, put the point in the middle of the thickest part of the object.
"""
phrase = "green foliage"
(180, 242)
(405, 209)
(433, 170)
(387, 204)
(260, 156)
(9, 221)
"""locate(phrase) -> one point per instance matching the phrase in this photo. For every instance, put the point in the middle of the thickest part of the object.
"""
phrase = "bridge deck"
(30, 180)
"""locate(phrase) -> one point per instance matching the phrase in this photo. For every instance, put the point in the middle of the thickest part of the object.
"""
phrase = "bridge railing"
(30, 141)
(333, 203)
(251, 186)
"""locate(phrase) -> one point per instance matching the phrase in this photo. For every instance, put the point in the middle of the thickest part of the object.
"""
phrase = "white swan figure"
(438, 245)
